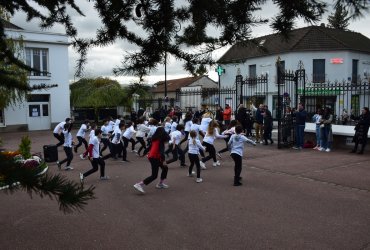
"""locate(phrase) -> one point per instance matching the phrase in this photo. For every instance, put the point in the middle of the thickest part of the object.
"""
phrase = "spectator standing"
(300, 116)
(227, 114)
(362, 129)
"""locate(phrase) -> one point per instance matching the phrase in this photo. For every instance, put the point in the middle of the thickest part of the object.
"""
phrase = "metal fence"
(341, 97)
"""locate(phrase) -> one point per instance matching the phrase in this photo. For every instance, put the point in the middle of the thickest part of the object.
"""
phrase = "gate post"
(279, 101)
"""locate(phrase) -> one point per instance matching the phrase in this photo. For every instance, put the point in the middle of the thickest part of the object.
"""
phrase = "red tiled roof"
(312, 38)
(175, 84)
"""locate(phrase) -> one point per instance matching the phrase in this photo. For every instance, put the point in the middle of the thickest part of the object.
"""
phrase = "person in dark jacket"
(219, 115)
(300, 117)
(267, 125)
(362, 129)
(241, 116)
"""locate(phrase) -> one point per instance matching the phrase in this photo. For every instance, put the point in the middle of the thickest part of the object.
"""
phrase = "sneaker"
(238, 184)
(218, 155)
(125, 161)
(82, 178)
(322, 149)
(199, 180)
(134, 151)
(192, 174)
(161, 185)
(59, 165)
(296, 148)
(327, 150)
(137, 154)
(315, 148)
(68, 168)
(139, 188)
(202, 165)
(104, 178)
(82, 157)
(261, 142)
(218, 163)
(214, 164)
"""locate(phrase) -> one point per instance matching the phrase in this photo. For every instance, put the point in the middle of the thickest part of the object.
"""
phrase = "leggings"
(69, 154)
(211, 152)
(125, 144)
(194, 159)
(227, 147)
(237, 167)
(96, 162)
(80, 141)
(177, 154)
(105, 142)
(156, 164)
(142, 143)
(185, 138)
(60, 138)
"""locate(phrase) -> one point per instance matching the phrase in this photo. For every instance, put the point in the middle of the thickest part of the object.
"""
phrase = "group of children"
(116, 136)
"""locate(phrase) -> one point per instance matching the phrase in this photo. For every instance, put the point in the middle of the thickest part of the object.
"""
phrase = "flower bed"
(12, 161)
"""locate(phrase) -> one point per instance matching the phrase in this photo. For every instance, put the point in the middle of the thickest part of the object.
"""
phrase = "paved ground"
(289, 200)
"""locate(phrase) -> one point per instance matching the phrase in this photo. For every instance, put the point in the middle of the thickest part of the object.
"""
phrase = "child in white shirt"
(177, 152)
(236, 143)
(194, 147)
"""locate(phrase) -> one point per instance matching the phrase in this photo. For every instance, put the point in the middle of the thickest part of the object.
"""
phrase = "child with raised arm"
(236, 144)
(194, 147)
(68, 144)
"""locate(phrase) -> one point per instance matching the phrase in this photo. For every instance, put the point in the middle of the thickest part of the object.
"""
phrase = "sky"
(101, 61)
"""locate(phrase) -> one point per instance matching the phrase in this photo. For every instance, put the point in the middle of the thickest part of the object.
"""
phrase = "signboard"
(336, 61)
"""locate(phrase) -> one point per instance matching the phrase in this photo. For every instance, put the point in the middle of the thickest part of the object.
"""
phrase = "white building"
(328, 55)
(42, 109)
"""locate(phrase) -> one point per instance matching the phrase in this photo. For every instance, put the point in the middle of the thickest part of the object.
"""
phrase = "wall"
(57, 45)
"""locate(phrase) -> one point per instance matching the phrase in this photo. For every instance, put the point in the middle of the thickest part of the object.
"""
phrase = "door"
(38, 116)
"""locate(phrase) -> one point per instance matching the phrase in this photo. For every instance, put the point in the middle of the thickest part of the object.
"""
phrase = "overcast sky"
(101, 61)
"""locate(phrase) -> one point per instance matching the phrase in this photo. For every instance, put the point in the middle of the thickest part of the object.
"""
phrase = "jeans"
(300, 135)
(156, 164)
(318, 135)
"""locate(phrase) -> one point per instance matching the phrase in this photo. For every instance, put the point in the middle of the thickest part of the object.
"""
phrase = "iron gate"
(288, 84)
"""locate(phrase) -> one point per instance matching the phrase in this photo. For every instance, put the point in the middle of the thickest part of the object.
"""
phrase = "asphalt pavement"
(289, 200)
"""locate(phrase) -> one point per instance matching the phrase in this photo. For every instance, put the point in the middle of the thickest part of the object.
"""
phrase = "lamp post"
(219, 71)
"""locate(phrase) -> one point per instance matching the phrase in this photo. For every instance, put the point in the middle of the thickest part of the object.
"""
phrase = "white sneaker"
(82, 178)
(192, 174)
(82, 157)
(68, 168)
(322, 149)
(59, 165)
(219, 155)
(202, 165)
(161, 185)
(139, 188)
(199, 180)
(218, 163)
(134, 151)
(104, 178)
(214, 164)
(327, 150)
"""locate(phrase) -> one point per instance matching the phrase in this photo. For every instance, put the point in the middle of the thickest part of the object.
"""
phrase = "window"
(45, 110)
(38, 59)
(34, 110)
(318, 74)
(252, 71)
(354, 71)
